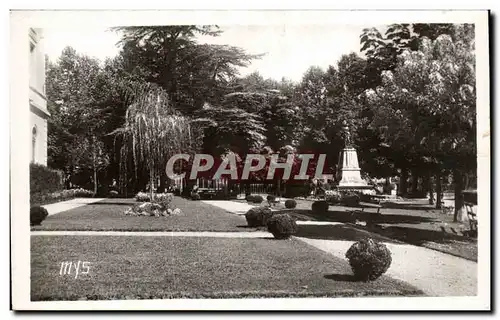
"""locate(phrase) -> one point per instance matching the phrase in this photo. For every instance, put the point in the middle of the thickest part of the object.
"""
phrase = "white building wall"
(40, 147)
(37, 98)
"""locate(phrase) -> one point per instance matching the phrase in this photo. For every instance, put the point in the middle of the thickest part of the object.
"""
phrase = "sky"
(289, 49)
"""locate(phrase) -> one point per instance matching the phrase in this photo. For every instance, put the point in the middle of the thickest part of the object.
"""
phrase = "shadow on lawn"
(368, 216)
(419, 236)
(338, 232)
(384, 227)
(406, 206)
(392, 234)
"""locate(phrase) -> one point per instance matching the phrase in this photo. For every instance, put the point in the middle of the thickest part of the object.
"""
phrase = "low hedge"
(44, 180)
(62, 195)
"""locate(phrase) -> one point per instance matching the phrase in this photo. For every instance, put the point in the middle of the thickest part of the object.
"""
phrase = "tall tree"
(170, 56)
(153, 132)
(74, 89)
(428, 104)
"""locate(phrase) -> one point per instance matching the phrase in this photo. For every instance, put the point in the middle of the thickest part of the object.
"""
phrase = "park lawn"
(108, 215)
(123, 267)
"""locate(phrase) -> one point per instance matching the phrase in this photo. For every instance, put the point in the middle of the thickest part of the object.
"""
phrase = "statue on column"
(346, 134)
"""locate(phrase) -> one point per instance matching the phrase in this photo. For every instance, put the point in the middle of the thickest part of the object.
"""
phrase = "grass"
(108, 215)
(124, 267)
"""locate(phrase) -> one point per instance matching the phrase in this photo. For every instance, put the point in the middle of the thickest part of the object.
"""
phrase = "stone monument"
(349, 172)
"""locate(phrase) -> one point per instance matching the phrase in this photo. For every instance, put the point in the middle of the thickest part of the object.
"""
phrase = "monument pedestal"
(349, 172)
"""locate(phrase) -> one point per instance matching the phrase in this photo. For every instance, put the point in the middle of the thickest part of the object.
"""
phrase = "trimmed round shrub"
(290, 204)
(258, 199)
(350, 199)
(37, 215)
(195, 196)
(282, 226)
(271, 198)
(254, 199)
(258, 217)
(369, 259)
(320, 207)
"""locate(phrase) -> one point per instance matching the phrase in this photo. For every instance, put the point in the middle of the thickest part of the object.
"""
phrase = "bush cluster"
(37, 215)
(290, 204)
(320, 207)
(282, 226)
(160, 206)
(142, 197)
(163, 199)
(152, 209)
(258, 217)
(369, 259)
(333, 196)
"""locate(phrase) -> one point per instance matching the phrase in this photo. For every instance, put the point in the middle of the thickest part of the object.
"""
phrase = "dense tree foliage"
(409, 99)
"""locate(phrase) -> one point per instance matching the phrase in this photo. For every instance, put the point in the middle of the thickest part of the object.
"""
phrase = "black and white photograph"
(265, 159)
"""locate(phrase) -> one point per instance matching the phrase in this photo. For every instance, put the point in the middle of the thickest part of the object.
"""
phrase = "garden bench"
(472, 216)
(362, 205)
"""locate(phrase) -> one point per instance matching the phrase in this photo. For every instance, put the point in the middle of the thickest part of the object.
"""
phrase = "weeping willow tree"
(153, 131)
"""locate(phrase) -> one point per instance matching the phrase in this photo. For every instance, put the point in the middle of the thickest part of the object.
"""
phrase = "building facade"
(37, 99)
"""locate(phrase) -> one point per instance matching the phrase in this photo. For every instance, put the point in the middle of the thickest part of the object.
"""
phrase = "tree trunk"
(458, 182)
(439, 191)
(430, 189)
(95, 181)
(163, 182)
(403, 185)
(414, 182)
(151, 184)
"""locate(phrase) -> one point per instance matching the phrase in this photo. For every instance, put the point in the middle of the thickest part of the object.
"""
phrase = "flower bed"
(160, 206)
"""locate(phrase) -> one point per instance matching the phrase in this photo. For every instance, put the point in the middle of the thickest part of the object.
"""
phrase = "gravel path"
(70, 204)
(239, 208)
